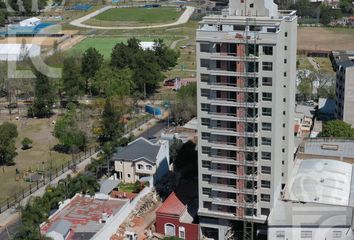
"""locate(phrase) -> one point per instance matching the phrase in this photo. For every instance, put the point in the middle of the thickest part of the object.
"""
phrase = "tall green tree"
(73, 83)
(165, 57)
(68, 132)
(112, 126)
(44, 97)
(122, 56)
(91, 63)
(8, 134)
(337, 128)
(346, 6)
(2, 18)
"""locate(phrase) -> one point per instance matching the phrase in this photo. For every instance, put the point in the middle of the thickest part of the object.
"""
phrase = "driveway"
(79, 22)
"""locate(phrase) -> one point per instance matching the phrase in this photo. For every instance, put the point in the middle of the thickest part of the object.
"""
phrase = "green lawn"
(142, 15)
(104, 44)
(126, 187)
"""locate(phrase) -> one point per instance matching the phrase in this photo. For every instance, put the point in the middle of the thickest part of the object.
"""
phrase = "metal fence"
(56, 172)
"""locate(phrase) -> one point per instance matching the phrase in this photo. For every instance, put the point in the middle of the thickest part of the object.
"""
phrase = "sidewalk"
(10, 216)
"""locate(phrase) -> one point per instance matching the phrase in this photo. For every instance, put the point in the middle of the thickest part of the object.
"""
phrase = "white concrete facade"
(246, 71)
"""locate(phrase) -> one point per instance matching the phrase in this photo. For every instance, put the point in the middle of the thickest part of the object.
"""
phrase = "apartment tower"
(246, 70)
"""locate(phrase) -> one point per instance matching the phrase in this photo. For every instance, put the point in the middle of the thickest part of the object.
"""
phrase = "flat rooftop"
(84, 214)
(328, 147)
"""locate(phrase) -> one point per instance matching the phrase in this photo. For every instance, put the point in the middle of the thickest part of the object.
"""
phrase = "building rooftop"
(302, 111)
(321, 181)
(172, 206)
(140, 148)
(343, 58)
(84, 214)
(108, 185)
(328, 147)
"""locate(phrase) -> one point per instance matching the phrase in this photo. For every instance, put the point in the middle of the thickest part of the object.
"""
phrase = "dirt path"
(79, 22)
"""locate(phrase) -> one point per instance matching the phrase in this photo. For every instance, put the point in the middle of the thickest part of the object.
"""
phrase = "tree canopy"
(337, 128)
(8, 135)
(73, 83)
(91, 63)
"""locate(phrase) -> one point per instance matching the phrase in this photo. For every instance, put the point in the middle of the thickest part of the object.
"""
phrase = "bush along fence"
(44, 178)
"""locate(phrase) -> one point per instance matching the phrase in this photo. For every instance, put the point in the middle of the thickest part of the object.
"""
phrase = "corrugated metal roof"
(108, 185)
(63, 227)
(316, 147)
(141, 148)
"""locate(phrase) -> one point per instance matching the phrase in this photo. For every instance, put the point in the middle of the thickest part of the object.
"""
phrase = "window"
(255, 28)
(265, 197)
(205, 164)
(280, 234)
(251, 5)
(181, 233)
(206, 191)
(267, 50)
(285, 47)
(205, 121)
(148, 167)
(204, 77)
(128, 175)
(284, 112)
(267, 81)
(284, 75)
(337, 234)
(266, 155)
(265, 184)
(265, 211)
(265, 170)
(286, 34)
(271, 30)
(206, 177)
(239, 27)
(170, 229)
(285, 61)
(140, 166)
(267, 66)
(266, 141)
(205, 150)
(267, 96)
(306, 234)
(266, 111)
(204, 63)
(284, 99)
(266, 126)
(204, 47)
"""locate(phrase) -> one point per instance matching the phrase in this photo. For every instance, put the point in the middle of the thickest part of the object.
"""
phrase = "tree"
(26, 143)
(86, 184)
(165, 57)
(325, 14)
(185, 106)
(187, 160)
(303, 8)
(2, 18)
(305, 88)
(346, 6)
(337, 128)
(68, 132)
(121, 56)
(44, 97)
(112, 126)
(8, 134)
(91, 62)
(73, 84)
(113, 83)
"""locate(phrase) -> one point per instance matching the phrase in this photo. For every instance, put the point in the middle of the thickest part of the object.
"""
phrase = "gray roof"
(319, 146)
(108, 185)
(62, 227)
(141, 148)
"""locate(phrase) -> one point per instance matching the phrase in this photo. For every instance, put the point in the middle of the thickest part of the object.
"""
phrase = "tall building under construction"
(246, 69)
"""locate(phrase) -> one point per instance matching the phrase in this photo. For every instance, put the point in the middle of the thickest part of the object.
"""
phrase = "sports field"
(136, 16)
(105, 44)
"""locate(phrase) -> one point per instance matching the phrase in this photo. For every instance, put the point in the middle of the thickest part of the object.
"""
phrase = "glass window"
(265, 184)
(265, 211)
(266, 155)
(266, 111)
(265, 170)
(148, 167)
(267, 50)
(265, 197)
(204, 77)
(266, 96)
(306, 234)
(266, 141)
(266, 126)
(204, 47)
(182, 233)
(267, 66)
(267, 81)
(206, 191)
(140, 166)
(204, 63)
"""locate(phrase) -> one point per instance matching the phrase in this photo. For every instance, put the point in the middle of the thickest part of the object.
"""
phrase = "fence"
(56, 172)
(47, 178)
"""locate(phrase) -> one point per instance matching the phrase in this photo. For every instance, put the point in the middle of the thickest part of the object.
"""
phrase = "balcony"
(228, 86)
(231, 132)
(231, 188)
(227, 56)
(224, 174)
(229, 146)
(231, 116)
(228, 102)
(220, 72)
(232, 202)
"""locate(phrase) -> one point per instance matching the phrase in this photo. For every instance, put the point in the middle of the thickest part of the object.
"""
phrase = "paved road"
(79, 22)
(154, 131)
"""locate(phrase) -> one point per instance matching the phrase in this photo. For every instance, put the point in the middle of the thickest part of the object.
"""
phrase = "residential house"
(142, 158)
(173, 219)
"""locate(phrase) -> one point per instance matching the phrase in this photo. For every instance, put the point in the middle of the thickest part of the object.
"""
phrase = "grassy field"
(36, 158)
(142, 15)
(105, 44)
(320, 38)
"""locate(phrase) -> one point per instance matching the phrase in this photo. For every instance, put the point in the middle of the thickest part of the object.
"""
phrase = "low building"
(303, 120)
(16, 52)
(317, 203)
(142, 158)
(341, 149)
(82, 217)
(173, 219)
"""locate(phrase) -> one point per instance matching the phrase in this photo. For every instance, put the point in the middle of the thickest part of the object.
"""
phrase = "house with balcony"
(142, 158)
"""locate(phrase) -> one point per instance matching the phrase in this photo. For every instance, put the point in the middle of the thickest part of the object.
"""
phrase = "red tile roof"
(172, 205)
